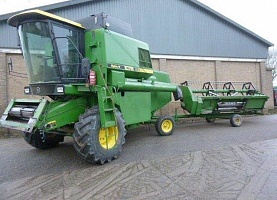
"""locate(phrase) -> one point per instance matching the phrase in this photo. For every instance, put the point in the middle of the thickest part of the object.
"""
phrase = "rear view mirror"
(85, 67)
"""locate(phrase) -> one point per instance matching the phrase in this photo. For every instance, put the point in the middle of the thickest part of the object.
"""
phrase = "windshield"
(66, 41)
(38, 52)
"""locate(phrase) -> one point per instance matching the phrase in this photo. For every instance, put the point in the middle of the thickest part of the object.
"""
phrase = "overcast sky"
(259, 16)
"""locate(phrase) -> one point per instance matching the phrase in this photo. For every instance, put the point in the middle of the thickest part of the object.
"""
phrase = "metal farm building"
(187, 39)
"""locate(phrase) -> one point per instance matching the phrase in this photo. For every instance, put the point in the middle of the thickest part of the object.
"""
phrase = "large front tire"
(96, 144)
(40, 140)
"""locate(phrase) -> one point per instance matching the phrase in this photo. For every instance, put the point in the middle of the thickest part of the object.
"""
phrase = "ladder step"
(109, 109)
(110, 123)
(106, 108)
(107, 97)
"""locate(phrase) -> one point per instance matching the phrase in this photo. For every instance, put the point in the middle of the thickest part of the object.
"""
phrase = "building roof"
(171, 27)
(197, 3)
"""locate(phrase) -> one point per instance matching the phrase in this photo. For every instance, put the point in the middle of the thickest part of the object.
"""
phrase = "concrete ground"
(200, 161)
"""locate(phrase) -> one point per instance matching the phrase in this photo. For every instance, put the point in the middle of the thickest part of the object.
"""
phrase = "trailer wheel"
(165, 125)
(236, 120)
(96, 144)
(210, 119)
(42, 141)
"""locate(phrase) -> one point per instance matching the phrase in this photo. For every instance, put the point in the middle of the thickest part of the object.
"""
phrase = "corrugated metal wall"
(177, 27)
(8, 35)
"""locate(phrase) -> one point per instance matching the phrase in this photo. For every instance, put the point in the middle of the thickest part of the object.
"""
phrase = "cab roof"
(18, 19)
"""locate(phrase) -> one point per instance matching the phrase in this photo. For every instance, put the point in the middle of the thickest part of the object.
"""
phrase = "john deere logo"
(38, 90)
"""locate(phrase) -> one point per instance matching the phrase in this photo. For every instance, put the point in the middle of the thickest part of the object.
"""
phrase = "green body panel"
(161, 98)
(78, 90)
(117, 44)
(192, 103)
(135, 106)
(61, 113)
(256, 103)
(108, 50)
(116, 78)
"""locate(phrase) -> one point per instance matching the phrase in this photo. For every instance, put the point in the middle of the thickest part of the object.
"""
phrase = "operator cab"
(52, 47)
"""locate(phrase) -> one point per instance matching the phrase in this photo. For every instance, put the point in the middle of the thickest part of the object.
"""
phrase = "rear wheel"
(236, 120)
(96, 144)
(40, 140)
(165, 125)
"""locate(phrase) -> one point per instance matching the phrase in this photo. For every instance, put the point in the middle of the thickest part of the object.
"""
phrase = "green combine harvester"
(96, 80)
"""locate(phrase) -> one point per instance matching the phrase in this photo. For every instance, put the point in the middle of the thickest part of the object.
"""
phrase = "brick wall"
(3, 87)
(17, 79)
(11, 83)
(266, 85)
(3, 82)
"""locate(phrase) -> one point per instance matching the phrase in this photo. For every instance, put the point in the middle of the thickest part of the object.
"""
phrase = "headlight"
(60, 89)
(27, 90)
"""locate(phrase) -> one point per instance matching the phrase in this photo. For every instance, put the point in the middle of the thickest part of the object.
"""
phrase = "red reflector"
(92, 78)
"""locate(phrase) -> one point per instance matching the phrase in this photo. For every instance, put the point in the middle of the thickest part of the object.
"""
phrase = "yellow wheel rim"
(108, 137)
(167, 126)
(238, 120)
